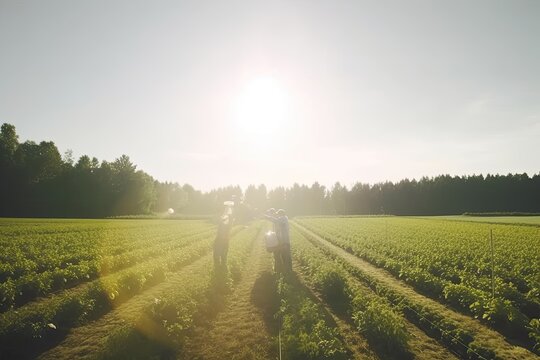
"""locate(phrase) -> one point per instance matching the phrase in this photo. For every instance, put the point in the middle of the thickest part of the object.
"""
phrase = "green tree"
(9, 141)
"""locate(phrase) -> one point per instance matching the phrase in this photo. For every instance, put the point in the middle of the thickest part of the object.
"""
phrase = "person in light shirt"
(282, 254)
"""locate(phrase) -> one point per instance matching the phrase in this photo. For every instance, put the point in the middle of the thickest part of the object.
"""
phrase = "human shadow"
(265, 297)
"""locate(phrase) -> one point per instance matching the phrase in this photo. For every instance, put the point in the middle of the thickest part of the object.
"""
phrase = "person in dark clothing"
(221, 244)
(271, 215)
(282, 255)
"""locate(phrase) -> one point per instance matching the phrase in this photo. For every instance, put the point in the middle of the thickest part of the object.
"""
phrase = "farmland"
(514, 220)
(362, 287)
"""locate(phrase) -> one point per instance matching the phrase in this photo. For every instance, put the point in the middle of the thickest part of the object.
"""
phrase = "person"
(282, 255)
(221, 243)
(271, 215)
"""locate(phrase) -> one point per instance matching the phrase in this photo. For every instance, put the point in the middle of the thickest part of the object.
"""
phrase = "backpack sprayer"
(228, 207)
(271, 241)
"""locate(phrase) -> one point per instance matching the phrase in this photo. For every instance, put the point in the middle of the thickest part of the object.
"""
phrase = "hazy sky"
(223, 92)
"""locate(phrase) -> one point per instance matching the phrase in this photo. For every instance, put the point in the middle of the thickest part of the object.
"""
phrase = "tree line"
(37, 181)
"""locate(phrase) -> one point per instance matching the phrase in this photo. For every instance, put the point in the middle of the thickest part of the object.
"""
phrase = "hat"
(281, 212)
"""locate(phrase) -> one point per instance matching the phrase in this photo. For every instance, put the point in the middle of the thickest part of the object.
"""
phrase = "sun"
(261, 109)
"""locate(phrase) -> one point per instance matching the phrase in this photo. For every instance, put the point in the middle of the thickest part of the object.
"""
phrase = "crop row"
(453, 334)
(30, 286)
(373, 316)
(457, 251)
(28, 251)
(504, 312)
(166, 323)
(37, 323)
(306, 330)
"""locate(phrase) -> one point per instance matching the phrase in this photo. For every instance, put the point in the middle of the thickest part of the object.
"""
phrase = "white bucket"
(271, 240)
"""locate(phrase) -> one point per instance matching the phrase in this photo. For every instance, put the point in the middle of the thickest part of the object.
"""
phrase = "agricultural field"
(362, 288)
(515, 220)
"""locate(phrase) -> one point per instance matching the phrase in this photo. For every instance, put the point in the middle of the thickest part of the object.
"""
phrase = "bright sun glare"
(261, 109)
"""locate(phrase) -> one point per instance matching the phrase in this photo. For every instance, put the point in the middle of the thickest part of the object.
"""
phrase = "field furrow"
(89, 301)
(400, 294)
(245, 329)
(357, 344)
(371, 288)
(157, 323)
(345, 296)
(84, 341)
(73, 277)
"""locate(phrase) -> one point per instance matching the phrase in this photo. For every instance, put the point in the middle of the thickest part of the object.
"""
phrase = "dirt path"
(482, 333)
(86, 341)
(425, 348)
(244, 329)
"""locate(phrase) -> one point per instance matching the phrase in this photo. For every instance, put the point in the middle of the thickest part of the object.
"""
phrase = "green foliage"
(46, 256)
(9, 140)
(114, 260)
(455, 335)
(492, 214)
(460, 296)
(8, 293)
(479, 352)
(72, 310)
(131, 343)
(136, 259)
(534, 334)
(382, 327)
(36, 181)
(305, 332)
(421, 280)
(169, 319)
(332, 284)
(450, 260)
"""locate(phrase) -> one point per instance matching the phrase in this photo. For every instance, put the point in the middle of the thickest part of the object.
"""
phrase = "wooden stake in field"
(386, 229)
(492, 264)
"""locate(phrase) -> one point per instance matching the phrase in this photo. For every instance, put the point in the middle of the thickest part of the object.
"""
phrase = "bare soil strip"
(483, 334)
(424, 347)
(244, 329)
(86, 341)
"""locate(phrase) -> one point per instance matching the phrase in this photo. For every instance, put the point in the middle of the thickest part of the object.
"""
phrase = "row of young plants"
(456, 251)
(38, 246)
(39, 323)
(372, 315)
(449, 249)
(503, 312)
(166, 323)
(14, 293)
(453, 334)
(306, 331)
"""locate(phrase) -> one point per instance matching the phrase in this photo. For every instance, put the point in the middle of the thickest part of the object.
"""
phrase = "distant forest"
(37, 181)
